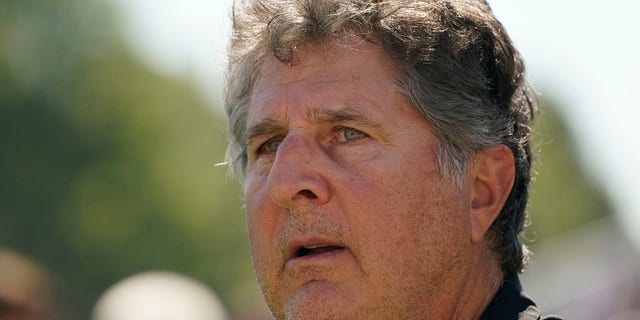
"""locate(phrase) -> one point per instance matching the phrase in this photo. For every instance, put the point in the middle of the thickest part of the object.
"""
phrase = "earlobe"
(492, 175)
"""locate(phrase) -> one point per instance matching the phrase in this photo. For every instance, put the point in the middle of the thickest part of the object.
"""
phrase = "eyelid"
(263, 130)
(340, 127)
(340, 130)
(257, 144)
(265, 144)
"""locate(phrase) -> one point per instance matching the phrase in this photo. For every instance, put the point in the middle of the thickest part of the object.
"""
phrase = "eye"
(346, 135)
(270, 146)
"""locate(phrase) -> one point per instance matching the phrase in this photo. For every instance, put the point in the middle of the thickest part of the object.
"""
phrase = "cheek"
(259, 211)
(406, 215)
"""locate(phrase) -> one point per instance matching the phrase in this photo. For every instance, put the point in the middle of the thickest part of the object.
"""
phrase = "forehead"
(325, 74)
(359, 53)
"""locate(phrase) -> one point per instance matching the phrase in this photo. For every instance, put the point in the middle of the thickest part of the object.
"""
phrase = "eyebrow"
(319, 115)
(270, 125)
(264, 126)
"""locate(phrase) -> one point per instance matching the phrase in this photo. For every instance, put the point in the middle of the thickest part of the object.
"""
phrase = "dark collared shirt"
(510, 303)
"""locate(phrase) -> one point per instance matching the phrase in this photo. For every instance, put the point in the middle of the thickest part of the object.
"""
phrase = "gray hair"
(457, 66)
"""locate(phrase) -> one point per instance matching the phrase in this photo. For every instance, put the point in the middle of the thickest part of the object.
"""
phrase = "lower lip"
(315, 259)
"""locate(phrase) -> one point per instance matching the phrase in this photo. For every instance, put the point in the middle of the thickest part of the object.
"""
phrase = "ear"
(492, 176)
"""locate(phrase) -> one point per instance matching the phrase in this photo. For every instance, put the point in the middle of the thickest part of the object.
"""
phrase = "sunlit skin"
(348, 214)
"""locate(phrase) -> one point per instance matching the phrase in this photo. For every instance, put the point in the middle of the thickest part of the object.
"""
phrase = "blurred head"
(24, 288)
(431, 100)
(159, 295)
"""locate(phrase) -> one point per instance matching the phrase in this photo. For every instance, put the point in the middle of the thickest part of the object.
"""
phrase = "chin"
(318, 300)
(323, 311)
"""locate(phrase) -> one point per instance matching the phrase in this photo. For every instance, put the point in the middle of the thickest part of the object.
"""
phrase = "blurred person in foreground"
(155, 295)
(25, 288)
(384, 151)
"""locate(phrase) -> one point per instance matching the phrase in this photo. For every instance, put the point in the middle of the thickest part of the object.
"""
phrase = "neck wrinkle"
(483, 282)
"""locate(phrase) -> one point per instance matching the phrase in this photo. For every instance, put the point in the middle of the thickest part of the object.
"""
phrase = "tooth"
(315, 246)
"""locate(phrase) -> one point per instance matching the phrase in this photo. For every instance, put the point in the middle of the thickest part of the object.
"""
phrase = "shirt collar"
(510, 303)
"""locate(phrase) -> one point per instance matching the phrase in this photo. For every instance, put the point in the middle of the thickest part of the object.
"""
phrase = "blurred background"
(111, 126)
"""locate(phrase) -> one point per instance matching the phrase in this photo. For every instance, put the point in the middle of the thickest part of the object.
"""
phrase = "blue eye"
(349, 134)
(270, 146)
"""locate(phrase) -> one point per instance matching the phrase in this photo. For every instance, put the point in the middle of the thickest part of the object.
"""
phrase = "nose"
(298, 173)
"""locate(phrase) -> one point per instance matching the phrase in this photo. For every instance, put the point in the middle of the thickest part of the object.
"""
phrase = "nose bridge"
(294, 146)
(296, 174)
(292, 155)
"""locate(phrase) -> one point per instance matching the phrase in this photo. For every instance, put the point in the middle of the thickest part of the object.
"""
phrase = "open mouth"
(315, 250)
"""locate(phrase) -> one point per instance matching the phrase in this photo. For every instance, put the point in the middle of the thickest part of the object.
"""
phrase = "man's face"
(348, 215)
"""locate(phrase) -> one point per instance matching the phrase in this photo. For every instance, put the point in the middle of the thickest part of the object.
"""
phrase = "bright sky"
(583, 54)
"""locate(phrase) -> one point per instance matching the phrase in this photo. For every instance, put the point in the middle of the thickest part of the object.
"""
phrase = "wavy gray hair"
(457, 66)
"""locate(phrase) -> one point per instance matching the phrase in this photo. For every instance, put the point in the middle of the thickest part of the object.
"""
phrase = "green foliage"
(107, 167)
(562, 196)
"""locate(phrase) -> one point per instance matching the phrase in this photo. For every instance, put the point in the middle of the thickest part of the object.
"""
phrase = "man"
(384, 151)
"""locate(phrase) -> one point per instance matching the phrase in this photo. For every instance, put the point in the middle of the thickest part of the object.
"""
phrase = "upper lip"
(309, 241)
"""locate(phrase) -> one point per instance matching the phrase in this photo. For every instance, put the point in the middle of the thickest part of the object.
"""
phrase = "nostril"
(308, 194)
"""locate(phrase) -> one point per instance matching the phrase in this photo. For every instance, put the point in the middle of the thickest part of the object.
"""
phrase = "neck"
(484, 278)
